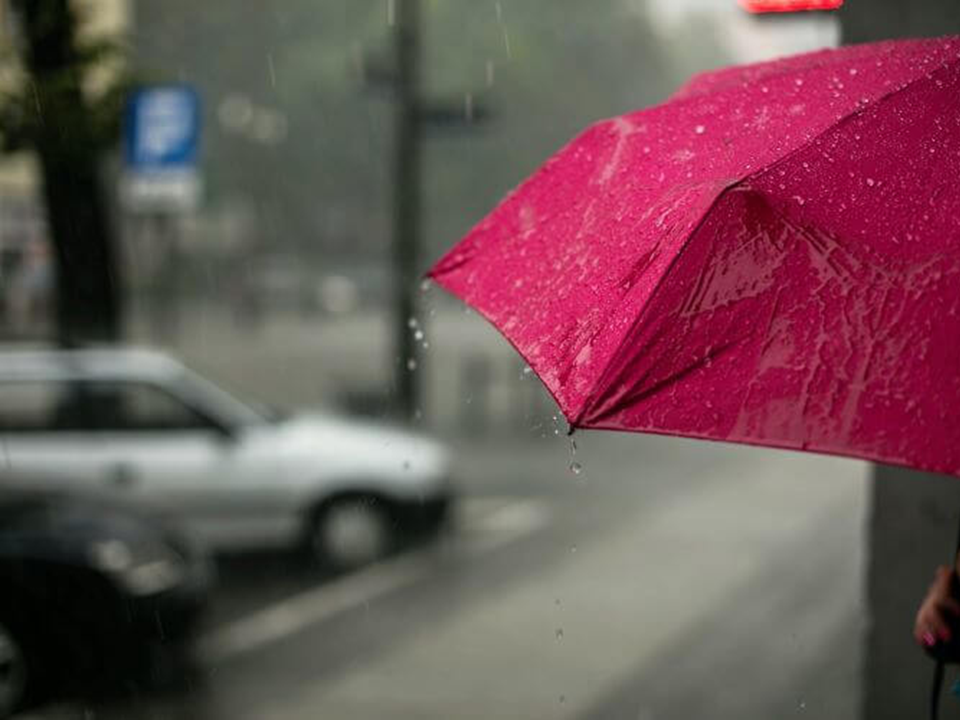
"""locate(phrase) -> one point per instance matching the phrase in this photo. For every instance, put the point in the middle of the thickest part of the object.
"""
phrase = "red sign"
(780, 6)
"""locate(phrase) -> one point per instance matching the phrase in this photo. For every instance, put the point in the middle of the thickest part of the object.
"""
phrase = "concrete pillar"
(913, 519)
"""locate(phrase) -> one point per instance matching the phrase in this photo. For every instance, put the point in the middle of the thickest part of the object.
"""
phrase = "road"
(668, 579)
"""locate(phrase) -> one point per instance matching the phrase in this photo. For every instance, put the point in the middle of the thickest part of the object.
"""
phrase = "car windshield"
(221, 404)
(573, 359)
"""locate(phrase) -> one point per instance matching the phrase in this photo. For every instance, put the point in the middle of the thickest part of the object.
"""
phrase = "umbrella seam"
(741, 183)
(841, 121)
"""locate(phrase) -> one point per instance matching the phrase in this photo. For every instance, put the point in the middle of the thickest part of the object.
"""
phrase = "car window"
(35, 406)
(132, 406)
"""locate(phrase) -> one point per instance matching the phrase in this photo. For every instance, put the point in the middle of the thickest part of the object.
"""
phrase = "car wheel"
(351, 532)
(14, 672)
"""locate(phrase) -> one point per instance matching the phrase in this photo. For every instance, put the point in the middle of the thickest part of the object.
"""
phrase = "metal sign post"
(160, 182)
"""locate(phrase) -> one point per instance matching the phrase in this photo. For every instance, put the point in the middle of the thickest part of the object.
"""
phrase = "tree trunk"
(88, 302)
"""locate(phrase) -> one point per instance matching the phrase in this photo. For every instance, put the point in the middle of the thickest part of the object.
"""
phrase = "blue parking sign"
(161, 134)
(163, 127)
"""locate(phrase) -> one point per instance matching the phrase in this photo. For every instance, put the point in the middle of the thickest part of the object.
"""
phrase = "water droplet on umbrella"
(799, 82)
(871, 182)
(853, 71)
(700, 129)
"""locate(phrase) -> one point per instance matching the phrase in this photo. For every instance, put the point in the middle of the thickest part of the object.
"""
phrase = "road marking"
(508, 524)
(485, 532)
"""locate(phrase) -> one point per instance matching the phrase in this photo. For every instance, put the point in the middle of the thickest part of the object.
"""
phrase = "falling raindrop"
(418, 335)
(801, 705)
(411, 364)
(490, 73)
(527, 370)
(425, 285)
(576, 468)
(391, 12)
(559, 633)
(573, 548)
(557, 602)
(563, 699)
(412, 323)
(271, 70)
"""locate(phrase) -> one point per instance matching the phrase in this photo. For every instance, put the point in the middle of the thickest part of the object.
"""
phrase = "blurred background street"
(668, 580)
(279, 252)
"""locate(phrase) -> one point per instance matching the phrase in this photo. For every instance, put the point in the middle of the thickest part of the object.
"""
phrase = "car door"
(168, 454)
(45, 439)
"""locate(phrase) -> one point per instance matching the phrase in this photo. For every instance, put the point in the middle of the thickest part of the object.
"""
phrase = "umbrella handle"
(936, 688)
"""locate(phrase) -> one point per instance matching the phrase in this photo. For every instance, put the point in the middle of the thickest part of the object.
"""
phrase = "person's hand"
(937, 626)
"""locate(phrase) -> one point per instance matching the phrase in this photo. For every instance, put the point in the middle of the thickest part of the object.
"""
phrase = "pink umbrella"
(770, 257)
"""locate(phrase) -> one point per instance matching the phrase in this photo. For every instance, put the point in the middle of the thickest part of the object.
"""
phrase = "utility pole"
(414, 116)
(406, 199)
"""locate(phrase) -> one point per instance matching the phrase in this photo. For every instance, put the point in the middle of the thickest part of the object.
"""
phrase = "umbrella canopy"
(770, 257)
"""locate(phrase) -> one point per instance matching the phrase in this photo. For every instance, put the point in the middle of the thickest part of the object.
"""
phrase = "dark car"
(91, 596)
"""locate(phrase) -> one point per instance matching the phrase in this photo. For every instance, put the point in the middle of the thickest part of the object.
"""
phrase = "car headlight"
(141, 569)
